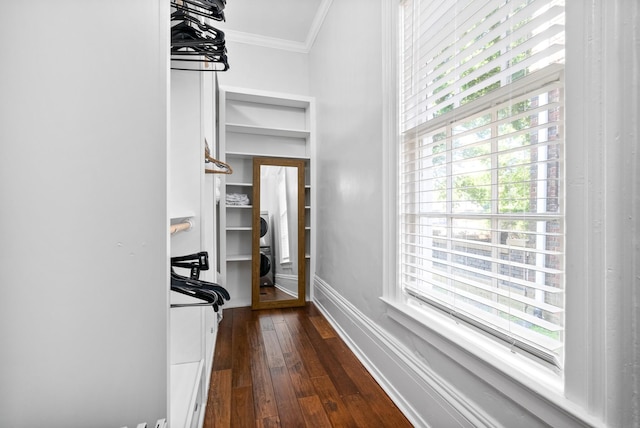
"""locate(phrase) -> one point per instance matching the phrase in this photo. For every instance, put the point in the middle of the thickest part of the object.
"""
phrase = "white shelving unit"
(259, 124)
(193, 329)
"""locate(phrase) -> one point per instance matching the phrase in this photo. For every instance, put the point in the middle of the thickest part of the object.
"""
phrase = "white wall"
(268, 69)
(83, 225)
(345, 68)
(432, 380)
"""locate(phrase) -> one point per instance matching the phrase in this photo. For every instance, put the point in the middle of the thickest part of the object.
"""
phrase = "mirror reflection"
(278, 256)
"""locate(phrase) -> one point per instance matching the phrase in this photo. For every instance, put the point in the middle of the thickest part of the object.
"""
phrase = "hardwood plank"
(332, 366)
(305, 349)
(379, 402)
(289, 410)
(241, 354)
(276, 315)
(334, 407)
(263, 395)
(242, 412)
(218, 413)
(265, 320)
(272, 349)
(300, 379)
(270, 422)
(361, 412)
(222, 355)
(323, 327)
(313, 412)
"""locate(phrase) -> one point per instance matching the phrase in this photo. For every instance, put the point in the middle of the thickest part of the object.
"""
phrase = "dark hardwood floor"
(288, 368)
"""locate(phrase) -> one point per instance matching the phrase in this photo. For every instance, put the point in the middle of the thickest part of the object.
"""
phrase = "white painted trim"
(287, 284)
(602, 371)
(318, 19)
(284, 44)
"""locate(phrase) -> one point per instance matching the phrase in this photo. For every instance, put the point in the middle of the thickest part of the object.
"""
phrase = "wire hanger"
(226, 169)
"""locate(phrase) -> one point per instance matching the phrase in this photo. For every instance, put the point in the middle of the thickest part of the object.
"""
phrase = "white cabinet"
(191, 197)
(259, 123)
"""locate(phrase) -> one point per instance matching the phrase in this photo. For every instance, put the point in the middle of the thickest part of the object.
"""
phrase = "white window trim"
(590, 388)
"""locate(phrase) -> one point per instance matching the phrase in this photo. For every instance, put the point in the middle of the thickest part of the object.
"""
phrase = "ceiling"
(282, 24)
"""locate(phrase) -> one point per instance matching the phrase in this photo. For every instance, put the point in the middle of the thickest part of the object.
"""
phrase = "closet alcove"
(255, 123)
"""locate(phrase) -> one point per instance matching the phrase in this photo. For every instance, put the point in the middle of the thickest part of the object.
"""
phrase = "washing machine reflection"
(266, 250)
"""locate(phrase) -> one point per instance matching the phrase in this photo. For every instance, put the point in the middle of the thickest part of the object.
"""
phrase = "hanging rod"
(180, 227)
(188, 305)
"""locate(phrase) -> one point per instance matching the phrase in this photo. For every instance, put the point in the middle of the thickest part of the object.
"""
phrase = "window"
(481, 183)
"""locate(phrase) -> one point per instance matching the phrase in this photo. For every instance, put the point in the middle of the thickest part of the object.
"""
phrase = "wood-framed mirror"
(278, 241)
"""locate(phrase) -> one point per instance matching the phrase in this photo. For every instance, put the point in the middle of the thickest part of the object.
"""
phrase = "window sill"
(531, 384)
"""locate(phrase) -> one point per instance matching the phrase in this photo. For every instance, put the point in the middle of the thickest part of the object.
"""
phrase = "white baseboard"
(287, 283)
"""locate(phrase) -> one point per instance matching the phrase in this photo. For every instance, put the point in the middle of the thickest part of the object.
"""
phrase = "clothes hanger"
(186, 19)
(226, 168)
(196, 262)
(219, 292)
(204, 8)
(187, 43)
(198, 284)
(210, 298)
(196, 45)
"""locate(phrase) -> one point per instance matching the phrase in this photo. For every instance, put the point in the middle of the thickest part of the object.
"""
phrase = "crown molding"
(284, 44)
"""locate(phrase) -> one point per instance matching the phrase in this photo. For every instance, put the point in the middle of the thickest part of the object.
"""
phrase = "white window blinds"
(481, 165)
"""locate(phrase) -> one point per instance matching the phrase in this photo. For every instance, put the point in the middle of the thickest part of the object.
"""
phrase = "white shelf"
(239, 258)
(263, 97)
(185, 382)
(240, 206)
(176, 216)
(239, 228)
(240, 184)
(263, 154)
(263, 130)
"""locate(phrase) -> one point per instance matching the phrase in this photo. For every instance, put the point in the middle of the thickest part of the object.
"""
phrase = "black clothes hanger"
(196, 262)
(186, 20)
(208, 297)
(199, 284)
(213, 294)
(194, 43)
(206, 8)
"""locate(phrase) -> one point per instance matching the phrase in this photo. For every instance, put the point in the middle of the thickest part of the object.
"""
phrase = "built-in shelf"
(263, 130)
(240, 206)
(239, 258)
(181, 215)
(240, 228)
(263, 154)
(260, 97)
